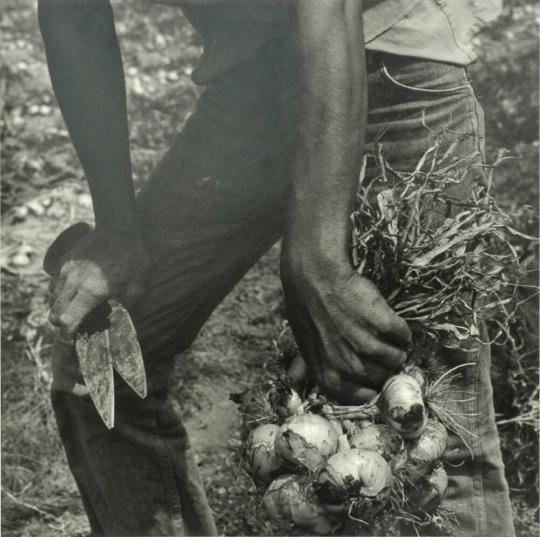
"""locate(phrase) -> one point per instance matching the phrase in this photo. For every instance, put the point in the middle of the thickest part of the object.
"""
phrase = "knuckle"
(330, 380)
(65, 320)
(65, 268)
(89, 289)
(368, 347)
(395, 361)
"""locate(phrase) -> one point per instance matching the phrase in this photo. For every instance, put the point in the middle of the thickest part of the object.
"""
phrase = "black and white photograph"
(269, 267)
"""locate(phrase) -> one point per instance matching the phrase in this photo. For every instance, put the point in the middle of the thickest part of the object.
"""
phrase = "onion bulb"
(290, 501)
(381, 439)
(255, 405)
(261, 456)
(307, 440)
(289, 402)
(356, 472)
(430, 491)
(402, 405)
(426, 451)
(417, 373)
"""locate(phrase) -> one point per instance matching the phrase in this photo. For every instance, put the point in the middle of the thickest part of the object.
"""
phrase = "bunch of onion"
(444, 275)
(357, 460)
(312, 479)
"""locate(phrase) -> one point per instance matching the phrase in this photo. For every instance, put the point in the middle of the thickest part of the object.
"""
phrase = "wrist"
(314, 252)
(123, 223)
(320, 233)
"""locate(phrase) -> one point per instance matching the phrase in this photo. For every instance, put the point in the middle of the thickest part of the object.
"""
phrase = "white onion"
(417, 373)
(381, 439)
(402, 405)
(430, 491)
(307, 440)
(438, 479)
(261, 456)
(292, 403)
(291, 502)
(355, 473)
(427, 450)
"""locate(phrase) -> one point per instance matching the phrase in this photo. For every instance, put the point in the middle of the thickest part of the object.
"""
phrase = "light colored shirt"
(440, 30)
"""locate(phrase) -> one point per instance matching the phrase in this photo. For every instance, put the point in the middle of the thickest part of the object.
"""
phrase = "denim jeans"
(213, 205)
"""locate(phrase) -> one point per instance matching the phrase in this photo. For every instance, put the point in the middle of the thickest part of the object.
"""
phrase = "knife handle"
(98, 318)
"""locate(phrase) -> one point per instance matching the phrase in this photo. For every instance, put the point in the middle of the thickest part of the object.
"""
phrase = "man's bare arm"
(87, 76)
(351, 338)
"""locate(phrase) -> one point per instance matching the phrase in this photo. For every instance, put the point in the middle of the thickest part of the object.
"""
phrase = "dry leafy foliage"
(443, 263)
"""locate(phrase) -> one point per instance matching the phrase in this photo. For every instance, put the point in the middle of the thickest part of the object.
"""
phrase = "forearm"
(87, 76)
(331, 118)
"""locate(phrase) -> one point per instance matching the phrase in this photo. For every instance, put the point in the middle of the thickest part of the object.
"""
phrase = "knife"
(106, 339)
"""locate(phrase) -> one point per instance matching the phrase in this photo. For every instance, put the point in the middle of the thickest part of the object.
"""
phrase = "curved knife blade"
(125, 349)
(97, 371)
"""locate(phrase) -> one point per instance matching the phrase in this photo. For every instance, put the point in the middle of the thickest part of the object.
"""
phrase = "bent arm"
(351, 339)
(331, 119)
(85, 66)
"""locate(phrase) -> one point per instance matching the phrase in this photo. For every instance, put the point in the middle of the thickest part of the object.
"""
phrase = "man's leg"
(212, 207)
(411, 102)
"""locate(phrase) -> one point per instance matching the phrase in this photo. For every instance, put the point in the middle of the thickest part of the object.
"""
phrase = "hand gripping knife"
(106, 339)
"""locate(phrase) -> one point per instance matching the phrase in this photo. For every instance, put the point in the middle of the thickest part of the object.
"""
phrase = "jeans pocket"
(425, 77)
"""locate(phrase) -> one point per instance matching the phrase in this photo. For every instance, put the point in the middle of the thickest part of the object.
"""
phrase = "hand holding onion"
(351, 339)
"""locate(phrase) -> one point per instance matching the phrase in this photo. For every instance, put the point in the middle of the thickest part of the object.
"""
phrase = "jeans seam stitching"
(476, 116)
(165, 462)
(479, 459)
(422, 90)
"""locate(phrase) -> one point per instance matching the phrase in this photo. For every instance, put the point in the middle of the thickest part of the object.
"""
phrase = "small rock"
(36, 208)
(85, 200)
(160, 41)
(20, 213)
(56, 211)
(20, 260)
(25, 249)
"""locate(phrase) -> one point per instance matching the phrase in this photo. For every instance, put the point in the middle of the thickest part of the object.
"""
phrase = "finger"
(297, 373)
(351, 363)
(50, 288)
(335, 385)
(56, 285)
(77, 309)
(398, 332)
(389, 324)
(63, 293)
(368, 346)
(382, 317)
(354, 394)
(365, 372)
